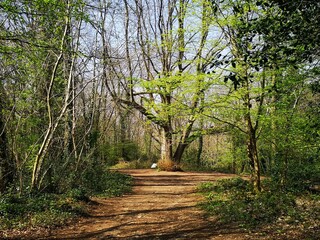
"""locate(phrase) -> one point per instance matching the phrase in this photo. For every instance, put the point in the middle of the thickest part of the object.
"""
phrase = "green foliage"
(97, 180)
(205, 187)
(48, 210)
(79, 194)
(232, 185)
(116, 184)
(112, 153)
(301, 174)
(38, 211)
(191, 163)
(232, 200)
(189, 159)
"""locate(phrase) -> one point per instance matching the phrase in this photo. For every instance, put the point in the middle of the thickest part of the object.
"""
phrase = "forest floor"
(162, 205)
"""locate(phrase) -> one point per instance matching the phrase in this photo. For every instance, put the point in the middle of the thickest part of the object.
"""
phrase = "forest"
(229, 86)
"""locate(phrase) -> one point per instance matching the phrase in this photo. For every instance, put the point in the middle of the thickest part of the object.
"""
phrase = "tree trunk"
(184, 141)
(6, 167)
(52, 124)
(179, 152)
(253, 157)
(200, 149)
(123, 119)
(166, 144)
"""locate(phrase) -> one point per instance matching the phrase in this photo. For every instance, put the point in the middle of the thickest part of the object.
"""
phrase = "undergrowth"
(134, 164)
(52, 209)
(105, 183)
(232, 201)
(44, 210)
(115, 184)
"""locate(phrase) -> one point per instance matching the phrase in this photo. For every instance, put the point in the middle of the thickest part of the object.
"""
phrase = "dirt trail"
(161, 206)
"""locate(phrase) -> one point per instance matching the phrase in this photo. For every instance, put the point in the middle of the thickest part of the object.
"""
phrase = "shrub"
(165, 165)
(79, 194)
(206, 187)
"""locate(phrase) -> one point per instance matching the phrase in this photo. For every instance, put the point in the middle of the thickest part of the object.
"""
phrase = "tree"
(265, 45)
(290, 30)
(6, 166)
(161, 62)
(39, 81)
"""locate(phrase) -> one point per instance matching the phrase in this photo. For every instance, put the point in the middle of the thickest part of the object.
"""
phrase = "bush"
(112, 153)
(79, 194)
(97, 180)
(165, 165)
(206, 187)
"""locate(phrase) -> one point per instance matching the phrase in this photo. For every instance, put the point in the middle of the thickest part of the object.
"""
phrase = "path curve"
(162, 205)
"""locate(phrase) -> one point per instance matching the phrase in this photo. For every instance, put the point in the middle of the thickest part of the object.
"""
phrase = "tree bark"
(200, 149)
(166, 144)
(6, 167)
(184, 141)
(253, 156)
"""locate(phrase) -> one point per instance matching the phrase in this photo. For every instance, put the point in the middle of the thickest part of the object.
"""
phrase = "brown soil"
(163, 205)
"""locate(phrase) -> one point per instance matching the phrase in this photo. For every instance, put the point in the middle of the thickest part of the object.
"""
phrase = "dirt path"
(161, 206)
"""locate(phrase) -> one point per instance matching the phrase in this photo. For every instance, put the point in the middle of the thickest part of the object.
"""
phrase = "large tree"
(163, 72)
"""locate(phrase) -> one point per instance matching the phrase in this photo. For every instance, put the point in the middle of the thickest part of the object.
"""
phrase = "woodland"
(204, 85)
